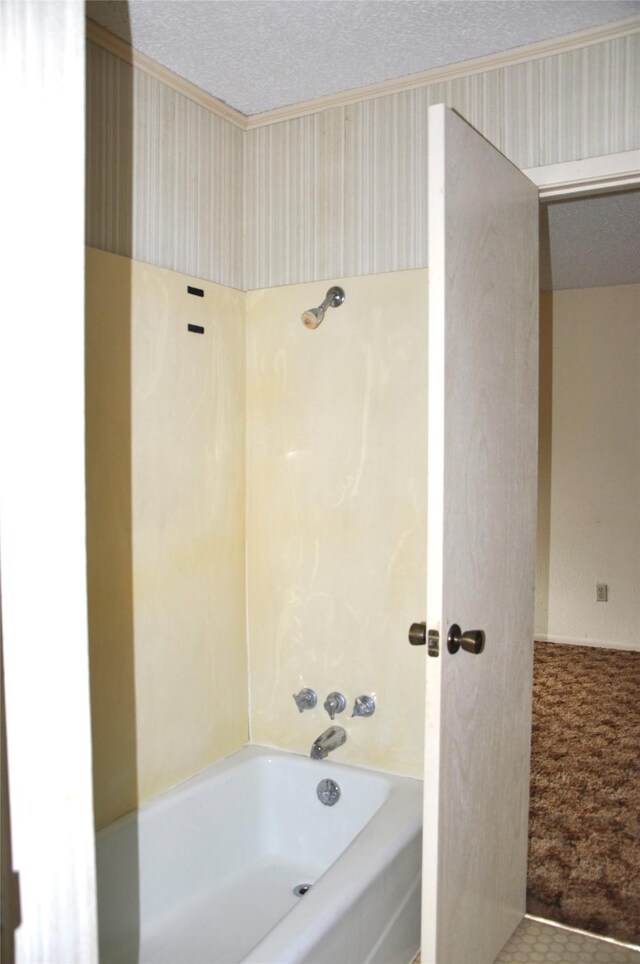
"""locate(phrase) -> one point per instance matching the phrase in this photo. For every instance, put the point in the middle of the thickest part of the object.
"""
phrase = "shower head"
(314, 316)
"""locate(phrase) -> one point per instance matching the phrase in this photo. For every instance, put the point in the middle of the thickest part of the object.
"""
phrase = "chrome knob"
(334, 703)
(306, 699)
(364, 706)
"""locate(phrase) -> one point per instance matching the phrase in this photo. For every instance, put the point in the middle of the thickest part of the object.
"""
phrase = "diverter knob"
(334, 703)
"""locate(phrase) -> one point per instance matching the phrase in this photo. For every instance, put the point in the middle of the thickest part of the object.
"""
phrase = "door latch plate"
(419, 635)
(433, 642)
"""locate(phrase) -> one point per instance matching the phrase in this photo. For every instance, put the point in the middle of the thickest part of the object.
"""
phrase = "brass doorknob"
(418, 634)
(472, 641)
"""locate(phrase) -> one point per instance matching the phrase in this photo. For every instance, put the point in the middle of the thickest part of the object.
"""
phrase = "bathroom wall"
(166, 534)
(589, 513)
(336, 513)
(339, 413)
(164, 174)
(344, 191)
(338, 192)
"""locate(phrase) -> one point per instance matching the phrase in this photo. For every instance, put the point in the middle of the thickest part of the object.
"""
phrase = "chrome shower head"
(314, 316)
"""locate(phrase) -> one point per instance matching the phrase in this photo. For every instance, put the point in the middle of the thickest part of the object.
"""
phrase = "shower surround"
(165, 524)
(336, 513)
(333, 520)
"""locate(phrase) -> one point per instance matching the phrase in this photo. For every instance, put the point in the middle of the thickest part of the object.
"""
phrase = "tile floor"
(536, 942)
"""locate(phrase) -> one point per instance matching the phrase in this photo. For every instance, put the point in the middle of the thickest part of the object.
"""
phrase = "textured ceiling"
(589, 242)
(261, 54)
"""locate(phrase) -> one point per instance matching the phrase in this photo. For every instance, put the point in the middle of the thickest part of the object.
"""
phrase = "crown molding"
(591, 175)
(439, 75)
(124, 51)
(436, 75)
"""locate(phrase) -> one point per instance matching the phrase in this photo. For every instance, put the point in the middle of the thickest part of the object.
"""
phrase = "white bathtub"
(205, 874)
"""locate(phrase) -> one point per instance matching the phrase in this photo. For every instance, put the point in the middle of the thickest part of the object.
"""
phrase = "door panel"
(483, 330)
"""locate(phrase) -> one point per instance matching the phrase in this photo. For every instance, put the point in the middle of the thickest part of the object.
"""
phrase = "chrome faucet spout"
(330, 740)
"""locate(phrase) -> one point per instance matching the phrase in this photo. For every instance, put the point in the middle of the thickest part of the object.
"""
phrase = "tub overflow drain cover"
(328, 792)
(301, 889)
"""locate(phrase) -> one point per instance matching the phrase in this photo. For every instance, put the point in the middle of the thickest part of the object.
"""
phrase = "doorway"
(580, 872)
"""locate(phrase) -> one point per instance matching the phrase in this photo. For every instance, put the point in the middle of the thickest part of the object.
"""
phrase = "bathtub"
(207, 873)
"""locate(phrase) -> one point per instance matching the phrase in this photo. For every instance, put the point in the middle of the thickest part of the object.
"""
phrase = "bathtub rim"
(230, 761)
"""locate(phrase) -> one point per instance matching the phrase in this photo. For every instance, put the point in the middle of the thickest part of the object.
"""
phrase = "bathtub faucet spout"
(330, 740)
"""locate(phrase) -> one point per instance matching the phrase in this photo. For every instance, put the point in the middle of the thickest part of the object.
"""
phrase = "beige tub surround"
(166, 412)
(336, 513)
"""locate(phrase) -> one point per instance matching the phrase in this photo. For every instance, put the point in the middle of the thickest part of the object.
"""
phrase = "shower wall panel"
(336, 513)
(166, 534)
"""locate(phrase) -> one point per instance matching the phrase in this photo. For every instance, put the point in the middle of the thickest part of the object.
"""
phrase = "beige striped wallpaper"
(343, 192)
(334, 193)
(578, 104)
(164, 175)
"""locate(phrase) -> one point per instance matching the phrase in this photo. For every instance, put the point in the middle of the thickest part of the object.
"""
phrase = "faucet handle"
(364, 706)
(306, 699)
(334, 703)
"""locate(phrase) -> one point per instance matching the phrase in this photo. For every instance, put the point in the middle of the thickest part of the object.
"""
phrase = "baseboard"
(599, 643)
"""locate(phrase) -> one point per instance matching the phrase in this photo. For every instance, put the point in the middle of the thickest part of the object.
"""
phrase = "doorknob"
(472, 641)
(418, 636)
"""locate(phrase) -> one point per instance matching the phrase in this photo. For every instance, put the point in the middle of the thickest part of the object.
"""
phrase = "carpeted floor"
(584, 823)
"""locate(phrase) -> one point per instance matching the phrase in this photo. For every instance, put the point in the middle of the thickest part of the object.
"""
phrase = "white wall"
(44, 611)
(589, 514)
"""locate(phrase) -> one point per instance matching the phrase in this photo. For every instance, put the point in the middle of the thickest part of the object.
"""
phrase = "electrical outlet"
(602, 591)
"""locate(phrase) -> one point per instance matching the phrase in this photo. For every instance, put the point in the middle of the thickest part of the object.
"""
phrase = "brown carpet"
(584, 823)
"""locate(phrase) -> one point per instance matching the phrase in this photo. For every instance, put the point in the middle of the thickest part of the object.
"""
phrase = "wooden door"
(483, 331)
